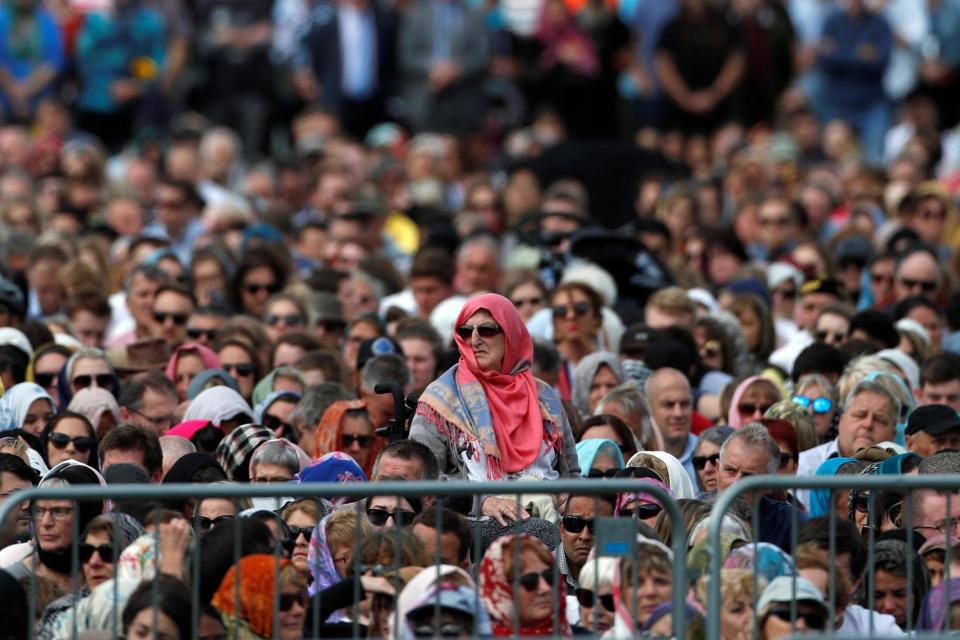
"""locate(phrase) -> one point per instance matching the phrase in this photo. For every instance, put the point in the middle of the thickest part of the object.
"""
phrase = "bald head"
(671, 405)
(917, 274)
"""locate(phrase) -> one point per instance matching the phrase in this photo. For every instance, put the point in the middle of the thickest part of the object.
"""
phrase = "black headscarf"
(184, 469)
(14, 612)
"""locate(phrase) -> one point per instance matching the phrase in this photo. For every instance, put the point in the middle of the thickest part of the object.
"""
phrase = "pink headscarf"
(512, 394)
(733, 417)
(207, 356)
(188, 429)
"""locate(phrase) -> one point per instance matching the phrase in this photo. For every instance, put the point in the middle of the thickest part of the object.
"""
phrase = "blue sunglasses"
(820, 405)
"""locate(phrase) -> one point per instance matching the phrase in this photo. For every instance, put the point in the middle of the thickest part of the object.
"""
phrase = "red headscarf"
(207, 356)
(257, 586)
(327, 439)
(511, 392)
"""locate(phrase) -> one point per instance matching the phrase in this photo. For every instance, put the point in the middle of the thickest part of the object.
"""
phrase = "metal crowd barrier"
(905, 484)
(613, 530)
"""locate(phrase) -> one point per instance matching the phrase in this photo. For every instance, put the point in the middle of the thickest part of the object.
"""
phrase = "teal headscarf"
(893, 466)
(265, 387)
(587, 451)
(820, 498)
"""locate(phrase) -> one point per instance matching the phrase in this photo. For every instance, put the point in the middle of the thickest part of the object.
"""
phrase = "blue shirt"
(851, 81)
(687, 459)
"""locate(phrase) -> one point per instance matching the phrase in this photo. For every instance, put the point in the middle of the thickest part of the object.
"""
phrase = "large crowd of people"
(683, 242)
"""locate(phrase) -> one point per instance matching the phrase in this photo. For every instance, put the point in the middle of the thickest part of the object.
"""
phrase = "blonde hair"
(344, 528)
(859, 369)
(734, 584)
(305, 505)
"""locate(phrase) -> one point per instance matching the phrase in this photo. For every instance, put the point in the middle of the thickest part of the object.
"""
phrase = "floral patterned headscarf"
(496, 592)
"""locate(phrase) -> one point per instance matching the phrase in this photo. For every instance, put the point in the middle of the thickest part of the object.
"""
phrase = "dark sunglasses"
(287, 600)
(787, 294)
(450, 630)
(530, 581)
(45, 380)
(243, 370)
(331, 326)
(597, 473)
(290, 320)
(533, 302)
(700, 462)
(814, 619)
(347, 440)
(274, 423)
(209, 334)
(785, 458)
(750, 408)
(379, 516)
(643, 512)
(179, 319)
(926, 286)
(80, 443)
(254, 289)
(822, 336)
(483, 330)
(103, 380)
(588, 598)
(575, 524)
(580, 309)
(296, 532)
(85, 552)
(877, 278)
(209, 523)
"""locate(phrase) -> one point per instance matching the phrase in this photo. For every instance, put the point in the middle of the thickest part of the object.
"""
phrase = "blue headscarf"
(588, 450)
(893, 466)
(199, 384)
(333, 467)
(261, 409)
(820, 498)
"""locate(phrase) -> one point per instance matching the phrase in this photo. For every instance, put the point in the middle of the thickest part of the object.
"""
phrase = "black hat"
(821, 285)
(935, 419)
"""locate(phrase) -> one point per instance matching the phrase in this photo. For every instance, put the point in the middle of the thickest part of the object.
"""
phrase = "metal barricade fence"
(748, 492)
(618, 536)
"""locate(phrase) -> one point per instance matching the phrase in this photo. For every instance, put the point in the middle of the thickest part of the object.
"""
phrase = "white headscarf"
(678, 478)
(218, 404)
(16, 402)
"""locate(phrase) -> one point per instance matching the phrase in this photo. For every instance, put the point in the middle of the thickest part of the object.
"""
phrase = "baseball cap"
(327, 307)
(856, 249)
(788, 589)
(821, 285)
(126, 473)
(16, 338)
(377, 347)
(935, 419)
(445, 596)
(636, 339)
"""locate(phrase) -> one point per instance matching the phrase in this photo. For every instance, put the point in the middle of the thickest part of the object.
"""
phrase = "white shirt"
(856, 624)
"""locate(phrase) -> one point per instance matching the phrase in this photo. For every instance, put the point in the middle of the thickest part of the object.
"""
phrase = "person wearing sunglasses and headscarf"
(533, 609)
(253, 616)
(487, 417)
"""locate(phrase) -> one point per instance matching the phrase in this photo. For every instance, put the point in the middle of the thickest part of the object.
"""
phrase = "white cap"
(790, 588)
(905, 363)
(16, 338)
(704, 298)
(911, 325)
(780, 272)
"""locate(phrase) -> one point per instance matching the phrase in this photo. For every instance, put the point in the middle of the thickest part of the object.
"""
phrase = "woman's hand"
(174, 540)
(503, 510)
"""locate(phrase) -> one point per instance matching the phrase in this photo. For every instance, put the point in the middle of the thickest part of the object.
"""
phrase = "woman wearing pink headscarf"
(186, 363)
(487, 417)
(751, 400)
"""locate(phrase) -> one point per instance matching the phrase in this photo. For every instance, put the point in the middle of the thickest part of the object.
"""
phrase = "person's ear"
(126, 414)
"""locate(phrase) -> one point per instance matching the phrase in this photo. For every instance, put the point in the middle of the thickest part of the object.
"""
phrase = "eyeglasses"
(530, 581)
(824, 336)
(813, 619)
(331, 326)
(253, 288)
(347, 440)
(179, 319)
(483, 330)
(944, 527)
(787, 294)
(209, 523)
(580, 309)
(271, 479)
(877, 278)
(927, 286)
(599, 473)
(158, 422)
(289, 320)
(45, 380)
(786, 457)
(749, 408)
(575, 524)
(196, 334)
(449, 630)
(588, 598)
(57, 513)
(699, 462)
(241, 369)
(287, 600)
(102, 380)
(85, 552)
(643, 512)
(819, 405)
(61, 440)
(523, 302)
(274, 424)
(379, 516)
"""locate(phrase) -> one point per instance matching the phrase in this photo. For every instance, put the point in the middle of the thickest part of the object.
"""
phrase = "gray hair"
(383, 369)
(151, 272)
(481, 240)
(314, 403)
(377, 290)
(755, 435)
(276, 452)
(175, 447)
(874, 386)
(598, 572)
(632, 399)
(715, 435)
(87, 353)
